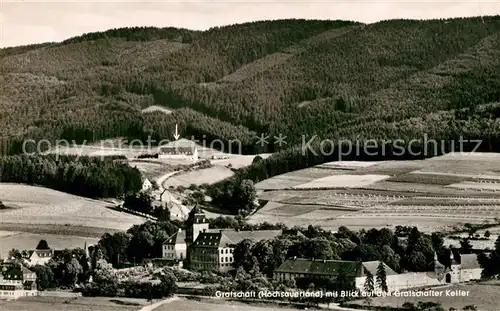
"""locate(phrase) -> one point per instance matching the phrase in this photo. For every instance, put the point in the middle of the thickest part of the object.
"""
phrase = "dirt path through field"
(159, 303)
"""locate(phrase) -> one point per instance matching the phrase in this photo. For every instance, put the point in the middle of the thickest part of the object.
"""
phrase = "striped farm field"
(297, 178)
(342, 181)
(432, 194)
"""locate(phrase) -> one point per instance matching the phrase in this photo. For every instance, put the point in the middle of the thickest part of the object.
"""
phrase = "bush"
(209, 291)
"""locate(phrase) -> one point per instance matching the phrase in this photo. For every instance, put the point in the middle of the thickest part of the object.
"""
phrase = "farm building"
(468, 269)
(297, 268)
(16, 281)
(178, 152)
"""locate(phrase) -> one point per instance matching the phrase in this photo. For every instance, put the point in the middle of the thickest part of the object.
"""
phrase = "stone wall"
(404, 281)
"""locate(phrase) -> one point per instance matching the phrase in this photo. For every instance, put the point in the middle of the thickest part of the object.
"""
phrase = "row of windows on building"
(13, 279)
(222, 251)
(212, 258)
(204, 252)
(169, 247)
(13, 292)
(7, 287)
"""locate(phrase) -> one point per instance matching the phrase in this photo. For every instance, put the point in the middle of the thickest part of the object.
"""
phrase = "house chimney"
(204, 230)
(180, 229)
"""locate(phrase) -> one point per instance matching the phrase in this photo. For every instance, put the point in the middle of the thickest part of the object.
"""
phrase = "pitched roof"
(320, 267)
(469, 261)
(12, 271)
(234, 237)
(227, 237)
(177, 238)
(28, 283)
(40, 251)
(209, 239)
(196, 215)
(372, 266)
(293, 232)
(26, 270)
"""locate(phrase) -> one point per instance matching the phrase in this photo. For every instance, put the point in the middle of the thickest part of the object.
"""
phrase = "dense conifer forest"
(397, 79)
(92, 177)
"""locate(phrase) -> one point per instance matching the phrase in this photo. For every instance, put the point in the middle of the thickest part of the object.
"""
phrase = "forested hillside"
(394, 79)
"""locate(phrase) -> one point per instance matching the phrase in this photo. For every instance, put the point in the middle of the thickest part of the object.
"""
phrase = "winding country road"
(178, 210)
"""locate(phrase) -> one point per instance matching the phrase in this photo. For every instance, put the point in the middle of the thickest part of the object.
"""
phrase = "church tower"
(197, 222)
(453, 275)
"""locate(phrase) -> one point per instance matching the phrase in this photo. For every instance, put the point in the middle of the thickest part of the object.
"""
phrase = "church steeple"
(197, 222)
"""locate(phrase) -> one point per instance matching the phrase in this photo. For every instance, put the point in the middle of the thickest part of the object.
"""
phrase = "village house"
(43, 254)
(208, 249)
(467, 270)
(16, 281)
(38, 256)
(174, 248)
(179, 152)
